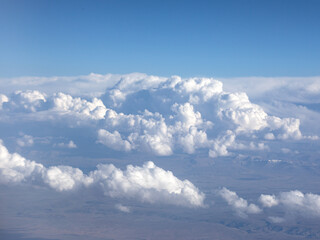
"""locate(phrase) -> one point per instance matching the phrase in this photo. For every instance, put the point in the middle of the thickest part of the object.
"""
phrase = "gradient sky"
(188, 38)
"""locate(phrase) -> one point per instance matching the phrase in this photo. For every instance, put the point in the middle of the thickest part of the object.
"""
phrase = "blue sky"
(188, 38)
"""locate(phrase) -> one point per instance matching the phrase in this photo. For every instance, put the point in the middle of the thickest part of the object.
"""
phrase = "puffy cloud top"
(294, 201)
(15, 168)
(161, 115)
(65, 103)
(268, 200)
(29, 101)
(113, 140)
(197, 88)
(238, 108)
(64, 178)
(239, 204)
(148, 183)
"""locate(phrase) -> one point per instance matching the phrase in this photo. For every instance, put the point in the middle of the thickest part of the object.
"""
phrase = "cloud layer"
(159, 115)
(141, 115)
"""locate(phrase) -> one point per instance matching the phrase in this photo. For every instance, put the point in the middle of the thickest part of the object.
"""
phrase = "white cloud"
(189, 137)
(37, 106)
(285, 150)
(113, 140)
(148, 183)
(70, 144)
(91, 85)
(294, 201)
(66, 104)
(25, 141)
(3, 99)
(274, 161)
(27, 101)
(237, 116)
(150, 132)
(294, 89)
(232, 108)
(194, 113)
(269, 136)
(131, 83)
(123, 208)
(147, 132)
(276, 219)
(196, 88)
(193, 139)
(221, 144)
(246, 115)
(268, 200)
(287, 127)
(239, 204)
(186, 115)
(15, 168)
(64, 178)
(227, 141)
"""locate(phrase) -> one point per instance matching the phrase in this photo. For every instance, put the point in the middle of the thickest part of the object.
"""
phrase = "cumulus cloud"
(221, 144)
(131, 83)
(34, 105)
(287, 127)
(232, 112)
(113, 140)
(66, 104)
(237, 108)
(64, 178)
(295, 89)
(146, 132)
(15, 168)
(26, 101)
(150, 132)
(189, 127)
(227, 141)
(196, 88)
(186, 115)
(268, 200)
(148, 183)
(294, 201)
(239, 204)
